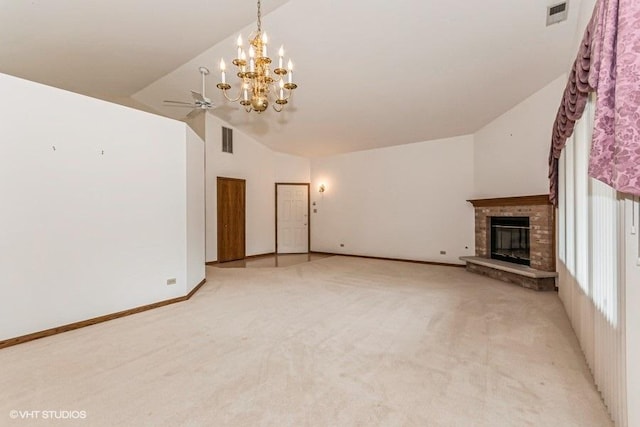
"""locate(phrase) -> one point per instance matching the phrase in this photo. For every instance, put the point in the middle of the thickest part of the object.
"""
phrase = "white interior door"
(292, 227)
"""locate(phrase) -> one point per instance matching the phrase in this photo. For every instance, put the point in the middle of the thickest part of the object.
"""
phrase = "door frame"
(308, 185)
(244, 215)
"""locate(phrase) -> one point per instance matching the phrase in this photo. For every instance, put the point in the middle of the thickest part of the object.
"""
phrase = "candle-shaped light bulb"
(290, 67)
(239, 45)
(281, 89)
(222, 68)
(265, 40)
(252, 64)
(245, 92)
(281, 55)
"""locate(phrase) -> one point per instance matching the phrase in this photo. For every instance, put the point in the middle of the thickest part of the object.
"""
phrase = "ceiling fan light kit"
(258, 84)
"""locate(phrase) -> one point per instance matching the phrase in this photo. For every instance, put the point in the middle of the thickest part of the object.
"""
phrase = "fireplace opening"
(510, 239)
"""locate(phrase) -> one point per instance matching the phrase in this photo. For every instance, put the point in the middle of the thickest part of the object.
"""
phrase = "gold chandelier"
(258, 84)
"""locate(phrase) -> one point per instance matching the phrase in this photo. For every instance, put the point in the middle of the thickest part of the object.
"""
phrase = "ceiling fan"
(200, 101)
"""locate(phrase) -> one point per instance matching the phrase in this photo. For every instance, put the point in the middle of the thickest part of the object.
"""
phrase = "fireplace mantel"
(541, 199)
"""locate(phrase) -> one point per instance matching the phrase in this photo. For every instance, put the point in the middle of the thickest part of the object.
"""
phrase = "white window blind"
(590, 283)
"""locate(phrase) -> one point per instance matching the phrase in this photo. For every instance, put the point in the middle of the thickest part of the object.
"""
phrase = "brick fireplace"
(540, 274)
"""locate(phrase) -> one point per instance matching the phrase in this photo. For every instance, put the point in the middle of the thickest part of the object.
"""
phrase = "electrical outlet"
(443, 252)
(171, 281)
(342, 245)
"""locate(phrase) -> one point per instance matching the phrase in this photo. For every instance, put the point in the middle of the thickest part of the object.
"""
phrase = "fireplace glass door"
(510, 239)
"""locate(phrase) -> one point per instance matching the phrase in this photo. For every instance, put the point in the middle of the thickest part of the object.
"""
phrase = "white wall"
(511, 153)
(405, 202)
(261, 168)
(374, 190)
(584, 12)
(288, 167)
(195, 209)
(96, 225)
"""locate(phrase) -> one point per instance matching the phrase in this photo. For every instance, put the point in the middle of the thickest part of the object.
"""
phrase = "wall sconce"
(322, 188)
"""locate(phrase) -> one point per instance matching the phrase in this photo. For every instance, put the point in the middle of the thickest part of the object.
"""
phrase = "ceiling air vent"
(557, 13)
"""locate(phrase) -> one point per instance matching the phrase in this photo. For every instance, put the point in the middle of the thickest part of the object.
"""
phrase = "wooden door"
(231, 219)
(292, 218)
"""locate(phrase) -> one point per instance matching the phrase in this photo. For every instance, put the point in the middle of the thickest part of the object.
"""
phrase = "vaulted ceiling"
(370, 74)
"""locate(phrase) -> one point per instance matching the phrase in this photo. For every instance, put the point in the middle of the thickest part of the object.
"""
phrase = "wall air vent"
(557, 13)
(227, 140)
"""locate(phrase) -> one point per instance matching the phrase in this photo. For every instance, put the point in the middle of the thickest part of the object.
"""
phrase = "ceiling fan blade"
(194, 113)
(198, 97)
(182, 106)
(177, 102)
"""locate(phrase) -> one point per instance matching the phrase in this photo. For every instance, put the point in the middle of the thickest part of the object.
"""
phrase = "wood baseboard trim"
(260, 255)
(413, 261)
(212, 263)
(194, 290)
(84, 323)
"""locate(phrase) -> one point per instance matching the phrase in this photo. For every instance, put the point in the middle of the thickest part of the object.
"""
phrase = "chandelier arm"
(224, 92)
(274, 90)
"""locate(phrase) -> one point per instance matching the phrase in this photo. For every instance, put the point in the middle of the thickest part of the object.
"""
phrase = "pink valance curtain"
(608, 63)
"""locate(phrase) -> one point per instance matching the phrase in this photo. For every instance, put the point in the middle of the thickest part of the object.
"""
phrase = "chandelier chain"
(259, 18)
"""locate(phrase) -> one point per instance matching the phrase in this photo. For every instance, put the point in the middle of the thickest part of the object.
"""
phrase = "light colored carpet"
(334, 342)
